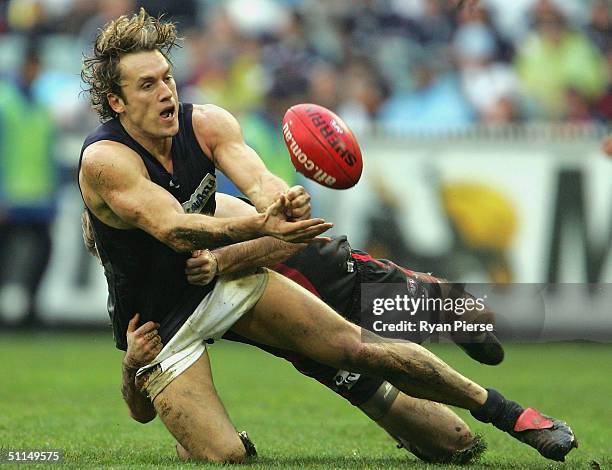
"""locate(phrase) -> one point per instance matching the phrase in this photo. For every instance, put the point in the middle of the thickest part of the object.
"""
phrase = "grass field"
(61, 391)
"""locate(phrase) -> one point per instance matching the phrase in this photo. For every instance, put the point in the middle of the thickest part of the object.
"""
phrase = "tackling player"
(334, 271)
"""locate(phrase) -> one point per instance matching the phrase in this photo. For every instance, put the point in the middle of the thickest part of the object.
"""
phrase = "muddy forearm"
(263, 252)
(141, 408)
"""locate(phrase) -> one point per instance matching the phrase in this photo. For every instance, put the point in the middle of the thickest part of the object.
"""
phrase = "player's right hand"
(201, 268)
(299, 202)
(299, 231)
(143, 343)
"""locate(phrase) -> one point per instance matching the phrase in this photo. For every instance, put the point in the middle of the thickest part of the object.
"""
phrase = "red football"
(322, 147)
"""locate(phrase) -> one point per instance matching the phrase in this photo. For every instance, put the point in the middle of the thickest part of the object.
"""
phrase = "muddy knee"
(462, 448)
(221, 453)
(203, 447)
(249, 451)
(429, 430)
(463, 451)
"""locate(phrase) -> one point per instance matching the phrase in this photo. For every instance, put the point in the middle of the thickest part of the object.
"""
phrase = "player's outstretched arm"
(219, 133)
(116, 188)
(266, 251)
(143, 345)
(204, 265)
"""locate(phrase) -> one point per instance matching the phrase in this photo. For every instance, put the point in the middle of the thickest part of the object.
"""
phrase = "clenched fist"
(201, 268)
(298, 201)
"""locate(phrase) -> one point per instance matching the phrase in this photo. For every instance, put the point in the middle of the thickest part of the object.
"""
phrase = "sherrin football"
(322, 147)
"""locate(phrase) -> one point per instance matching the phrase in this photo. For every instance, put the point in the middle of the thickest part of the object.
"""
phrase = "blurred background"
(480, 129)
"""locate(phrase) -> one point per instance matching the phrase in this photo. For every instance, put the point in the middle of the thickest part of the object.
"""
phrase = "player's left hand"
(201, 268)
(298, 201)
(143, 343)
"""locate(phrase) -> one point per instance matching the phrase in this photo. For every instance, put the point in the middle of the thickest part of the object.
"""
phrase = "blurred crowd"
(408, 64)
(402, 65)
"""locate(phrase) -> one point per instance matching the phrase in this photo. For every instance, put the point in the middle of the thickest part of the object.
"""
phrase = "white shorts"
(232, 296)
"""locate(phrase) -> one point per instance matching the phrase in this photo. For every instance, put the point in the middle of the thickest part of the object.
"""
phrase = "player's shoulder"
(106, 151)
(211, 112)
(110, 159)
(214, 122)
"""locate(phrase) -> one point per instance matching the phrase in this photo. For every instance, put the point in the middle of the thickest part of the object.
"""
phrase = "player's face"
(150, 101)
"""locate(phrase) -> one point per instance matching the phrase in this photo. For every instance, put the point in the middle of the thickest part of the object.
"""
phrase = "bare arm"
(220, 133)
(266, 251)
(116, 189)
(203, 266)
(141, 408)
(143, 345)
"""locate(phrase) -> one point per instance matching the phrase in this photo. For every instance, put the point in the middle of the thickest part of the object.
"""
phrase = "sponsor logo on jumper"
(201, 195)
(318, 175)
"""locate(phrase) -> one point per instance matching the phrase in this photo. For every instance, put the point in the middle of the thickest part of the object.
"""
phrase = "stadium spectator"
(481, 16)
(106, 10)
(364, 92)
(435, 103)
(185, 12)
(26, 17)
(3, 17)
(324, 85)
(229, 68)
(236, 47)
(262, 128)
(511, 19)
(577, 108)
(555, 58)
(490, 85)
(27, 189)
(599, 28)
(604, 103)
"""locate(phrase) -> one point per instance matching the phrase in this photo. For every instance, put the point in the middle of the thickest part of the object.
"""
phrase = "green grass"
(61, 391)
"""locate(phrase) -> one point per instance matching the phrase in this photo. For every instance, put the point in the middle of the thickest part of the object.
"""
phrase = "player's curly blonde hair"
(140, 32)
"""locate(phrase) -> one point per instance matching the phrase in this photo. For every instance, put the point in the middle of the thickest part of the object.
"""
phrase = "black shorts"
(358, 267)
